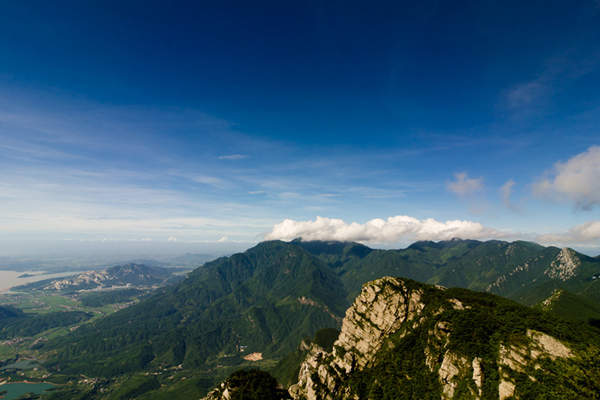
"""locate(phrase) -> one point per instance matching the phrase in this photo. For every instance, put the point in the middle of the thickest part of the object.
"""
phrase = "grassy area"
(39, 303)
(7, 351)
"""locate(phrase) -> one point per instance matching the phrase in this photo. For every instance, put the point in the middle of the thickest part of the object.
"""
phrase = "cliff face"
(406, 340)
(381, 308)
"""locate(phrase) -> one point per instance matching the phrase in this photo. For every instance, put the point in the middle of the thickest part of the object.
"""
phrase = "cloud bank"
(396, 229)
(577, 179)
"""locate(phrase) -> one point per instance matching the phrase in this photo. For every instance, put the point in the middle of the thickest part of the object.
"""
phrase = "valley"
(41, 311)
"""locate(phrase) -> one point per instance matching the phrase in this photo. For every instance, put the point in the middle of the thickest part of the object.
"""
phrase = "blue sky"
(194, 123)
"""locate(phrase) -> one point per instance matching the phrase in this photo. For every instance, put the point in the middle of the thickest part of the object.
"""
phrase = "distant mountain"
(523, 271)
(405, 340)
(266, 300)
(118, 276)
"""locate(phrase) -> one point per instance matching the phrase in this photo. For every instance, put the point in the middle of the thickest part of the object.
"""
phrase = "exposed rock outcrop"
(389, 310)
(547, 303)
(564, 266)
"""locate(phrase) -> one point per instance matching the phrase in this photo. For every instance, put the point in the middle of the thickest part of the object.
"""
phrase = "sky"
(168, 127)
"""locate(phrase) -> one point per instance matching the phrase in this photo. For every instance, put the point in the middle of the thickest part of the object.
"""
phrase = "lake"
(15, 390)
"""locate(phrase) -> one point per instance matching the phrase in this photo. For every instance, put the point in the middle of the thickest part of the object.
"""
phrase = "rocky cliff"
(401, 339)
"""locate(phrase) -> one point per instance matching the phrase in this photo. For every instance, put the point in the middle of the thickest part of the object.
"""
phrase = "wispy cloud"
(506, 191)
(233, 157)
(528, 93)
(463, 185)
(556, 74)
(209, 180)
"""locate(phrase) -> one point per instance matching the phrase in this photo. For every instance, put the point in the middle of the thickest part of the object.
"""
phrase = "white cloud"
(577, 180)
(506, 192)
(232, 156)
(463, 185)
(586, 233)
(223, 239)
(395, 229)
(172, 239)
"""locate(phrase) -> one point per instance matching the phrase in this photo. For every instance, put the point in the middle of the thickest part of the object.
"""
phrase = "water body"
(15, 390)
(10, 279)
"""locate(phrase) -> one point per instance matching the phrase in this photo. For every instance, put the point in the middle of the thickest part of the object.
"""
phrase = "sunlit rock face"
(390, 309)
(564, 266)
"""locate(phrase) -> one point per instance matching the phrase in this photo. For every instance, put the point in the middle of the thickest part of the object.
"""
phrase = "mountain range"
(254, 308)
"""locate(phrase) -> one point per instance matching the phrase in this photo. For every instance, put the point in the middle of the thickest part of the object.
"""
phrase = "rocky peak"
(564, 266)
(381, 308)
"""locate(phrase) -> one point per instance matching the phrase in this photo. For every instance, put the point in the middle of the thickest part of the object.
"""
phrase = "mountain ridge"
(509, 269)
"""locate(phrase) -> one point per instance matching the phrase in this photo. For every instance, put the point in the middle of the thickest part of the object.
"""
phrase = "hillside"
(571, 306)
(262, 301)
(8, 312)
(14, 323)
(405, 340)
